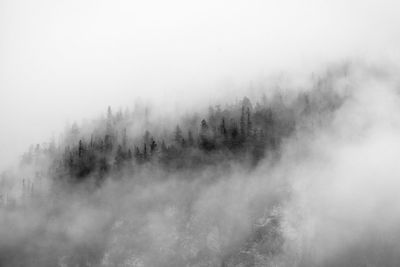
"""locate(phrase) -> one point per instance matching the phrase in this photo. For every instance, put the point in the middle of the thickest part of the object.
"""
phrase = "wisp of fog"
(305, 177)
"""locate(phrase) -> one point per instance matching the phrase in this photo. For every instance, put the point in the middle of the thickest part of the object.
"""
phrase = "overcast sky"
(67, 60)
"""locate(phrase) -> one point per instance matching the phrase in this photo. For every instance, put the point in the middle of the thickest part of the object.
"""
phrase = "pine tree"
(249, 123)
(242, 124)
(233, 134)
(153, 146)
(204, 127)
(80, 148)
(183, 142)
(109, 121)
(222, 127)
(109, 113)
(108, 143)
(119, 157)
(206, 141)
(144, 151)
(178, 135)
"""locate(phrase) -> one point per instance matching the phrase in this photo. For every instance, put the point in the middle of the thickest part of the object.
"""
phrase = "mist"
(66, 61)
(217, 133)
(322, 194)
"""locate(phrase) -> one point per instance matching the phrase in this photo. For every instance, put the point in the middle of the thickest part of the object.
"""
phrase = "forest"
(251, 183)
(242, 133)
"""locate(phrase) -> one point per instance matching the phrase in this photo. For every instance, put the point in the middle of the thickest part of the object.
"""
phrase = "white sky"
(65, 60)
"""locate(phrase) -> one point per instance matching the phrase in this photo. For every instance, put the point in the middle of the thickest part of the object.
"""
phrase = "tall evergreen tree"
(145, 151)
(206, 140)
(242, 124)
(178, 135)
(80, 148)
(109, 122)
(222, 127)
(249, 122)
(119, 157)
(153, 146)
(204, 127)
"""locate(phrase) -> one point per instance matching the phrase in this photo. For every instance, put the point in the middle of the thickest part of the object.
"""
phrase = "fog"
(66, 60)
(324, 195)
(294, 110)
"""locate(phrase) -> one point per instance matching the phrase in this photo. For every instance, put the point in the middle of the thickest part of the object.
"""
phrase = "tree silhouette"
(178, 135)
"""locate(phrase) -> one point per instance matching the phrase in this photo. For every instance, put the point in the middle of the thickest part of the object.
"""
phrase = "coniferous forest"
(262, 181)
(241, 133)
(133, 173)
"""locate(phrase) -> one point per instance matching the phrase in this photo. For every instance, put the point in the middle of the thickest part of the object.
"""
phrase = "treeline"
(241, 132)
(238, 132)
